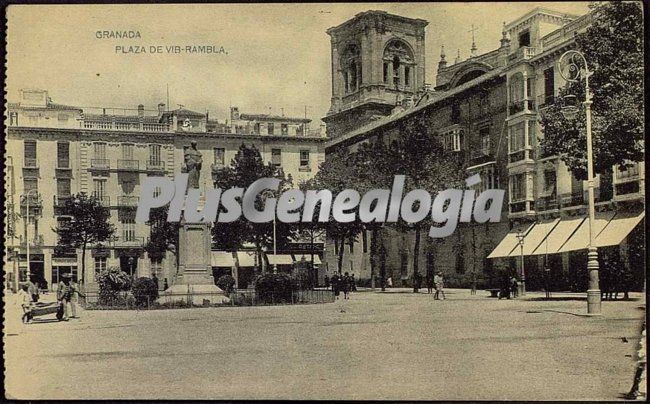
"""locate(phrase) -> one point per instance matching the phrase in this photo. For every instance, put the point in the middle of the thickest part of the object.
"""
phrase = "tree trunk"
(340, 259)
(416, 261)
(373, 256)
(314, 275)
(83, 264)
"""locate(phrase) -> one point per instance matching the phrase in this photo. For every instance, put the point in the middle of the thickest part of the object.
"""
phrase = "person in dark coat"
(514, 287)
(327, 282)
(353, 285)
(429, 281)
(504, 293)
(155, 279)
(336, 284)
(345, 285)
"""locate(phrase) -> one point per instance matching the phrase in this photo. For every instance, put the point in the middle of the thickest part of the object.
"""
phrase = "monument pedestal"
(194, 281)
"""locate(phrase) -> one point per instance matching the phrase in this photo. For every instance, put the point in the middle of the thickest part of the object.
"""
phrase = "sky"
(276, 57)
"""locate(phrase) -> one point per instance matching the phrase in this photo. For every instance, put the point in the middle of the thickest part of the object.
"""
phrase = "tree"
(246, 168)
(88, 225)
(613, 48)
(163, 233)
(420, 156)
(336, 174)
(311, 231)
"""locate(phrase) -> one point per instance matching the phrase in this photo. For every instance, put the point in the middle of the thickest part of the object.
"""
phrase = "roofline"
(417, 21)
(539, 10)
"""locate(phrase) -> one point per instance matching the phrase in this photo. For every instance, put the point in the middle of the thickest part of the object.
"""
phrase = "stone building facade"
(108, 155)
(488, 108)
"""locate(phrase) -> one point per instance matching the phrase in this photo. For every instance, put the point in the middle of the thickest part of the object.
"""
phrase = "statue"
(193, 162)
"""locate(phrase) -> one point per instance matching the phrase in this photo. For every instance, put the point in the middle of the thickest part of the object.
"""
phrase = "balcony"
(518, 207)
(128, 165)
(126, 126)
(547, 203)
(127, 201)
(32, 199)
(523, 53)
(545, 101)
(59, 202)
(30, 162)
(100, 164)
(37, 241)
(127, 242)
(103, 200)
(516, 107)
(572, 200)
(155, 166)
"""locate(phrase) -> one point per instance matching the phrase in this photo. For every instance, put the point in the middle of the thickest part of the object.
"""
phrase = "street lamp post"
(520, 241)
(27, 242)
(570, 69)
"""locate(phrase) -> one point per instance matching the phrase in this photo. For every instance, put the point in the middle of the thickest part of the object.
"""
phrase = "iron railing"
(128, 165)
(100, 164)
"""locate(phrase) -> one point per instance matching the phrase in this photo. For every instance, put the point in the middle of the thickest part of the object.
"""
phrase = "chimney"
(140, 110)
(161, 108)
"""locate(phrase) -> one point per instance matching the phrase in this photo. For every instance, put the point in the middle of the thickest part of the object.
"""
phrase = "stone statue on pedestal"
(193, 163)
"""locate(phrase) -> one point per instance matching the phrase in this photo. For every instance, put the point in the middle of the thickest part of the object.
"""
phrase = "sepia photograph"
(325, 201)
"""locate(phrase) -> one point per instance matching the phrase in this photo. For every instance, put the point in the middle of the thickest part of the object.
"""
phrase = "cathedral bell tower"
(377, 60)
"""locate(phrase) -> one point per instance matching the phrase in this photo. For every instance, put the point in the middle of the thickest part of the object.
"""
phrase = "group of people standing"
(436, 281)
(344, 283)
(509, 287)
(66, 296)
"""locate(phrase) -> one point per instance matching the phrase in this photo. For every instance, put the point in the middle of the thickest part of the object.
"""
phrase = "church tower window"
(351, 67)
(398, 58)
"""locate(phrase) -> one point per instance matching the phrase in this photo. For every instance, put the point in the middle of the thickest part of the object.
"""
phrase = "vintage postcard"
(346, 201)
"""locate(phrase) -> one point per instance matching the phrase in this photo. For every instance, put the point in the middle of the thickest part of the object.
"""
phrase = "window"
(484, 134)
(524, 38)
(398, 59)
(284, 129)
(100, 151)
(63, 187)
(351, 66)
(30, 153)
(127, 151)
(386, 72)
(101, 264)
(219, 156)
(517, 137)
(396, 78)
(549, 86)
(532, 126)
(455, 114)
(530, 87)
(154, 154)
(407, 76)
(516, 89)
(452, 141)
(269, 127)
(128, 227)
(13, 118)
(99, 188)
(256, 128)
(550, 182)
(489, 180)
(276, 157)
(304, 158)
(63, 155)
(517, 187)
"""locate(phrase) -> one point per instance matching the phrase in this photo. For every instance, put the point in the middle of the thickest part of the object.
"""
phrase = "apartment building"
(107, 153)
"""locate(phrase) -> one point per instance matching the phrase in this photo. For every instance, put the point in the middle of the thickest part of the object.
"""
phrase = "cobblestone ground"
(373, 346)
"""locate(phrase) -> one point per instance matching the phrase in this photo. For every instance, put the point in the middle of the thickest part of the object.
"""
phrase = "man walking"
(439, 283)
(64, 294)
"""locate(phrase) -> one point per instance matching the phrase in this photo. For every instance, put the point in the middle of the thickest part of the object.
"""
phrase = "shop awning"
(280, 259)
(246, 258)
(507, 244)
(221, 259)
(580, 238)
(558, 236)
(299, 257)
(618, 228)
(535, 237)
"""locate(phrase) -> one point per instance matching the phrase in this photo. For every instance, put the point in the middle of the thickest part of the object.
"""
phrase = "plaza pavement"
(374, 346)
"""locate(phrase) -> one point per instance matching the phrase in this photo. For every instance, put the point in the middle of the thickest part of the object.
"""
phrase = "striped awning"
(580, 238)
(307, 257)
(618, 228)
(508, 244)
(280, 259)
(535, 237)
(246, 258)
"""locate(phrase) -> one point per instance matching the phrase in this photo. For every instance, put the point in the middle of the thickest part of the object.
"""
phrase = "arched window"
(351, 68)
(398, 64)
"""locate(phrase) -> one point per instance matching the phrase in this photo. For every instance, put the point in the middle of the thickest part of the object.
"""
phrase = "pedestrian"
(474, 284)
(439, 283)
(25, 301)
(429, 281)
(514, 287)
(336, 284)
(389, 282)
(417, 281)
(506, 288)
(346, 282)
(165, 284)
(155, 280)
(74, 298)
(327, 282)
(353, 285)
(32, 289)
(63, 294)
